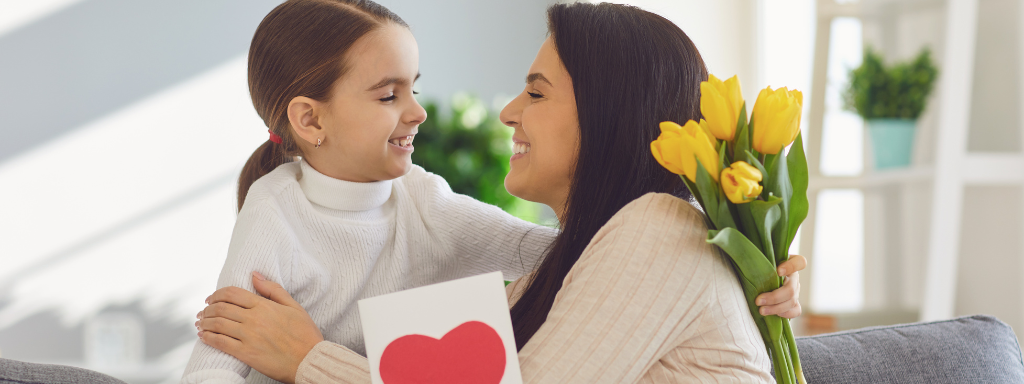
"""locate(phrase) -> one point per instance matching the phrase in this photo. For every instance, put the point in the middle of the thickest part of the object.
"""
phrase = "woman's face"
(368, 125)
(546, 138)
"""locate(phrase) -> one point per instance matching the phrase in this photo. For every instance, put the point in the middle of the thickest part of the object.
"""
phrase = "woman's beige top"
(649, 301)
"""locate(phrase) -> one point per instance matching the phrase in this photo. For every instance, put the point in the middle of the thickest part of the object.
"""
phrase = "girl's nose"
(418, 115)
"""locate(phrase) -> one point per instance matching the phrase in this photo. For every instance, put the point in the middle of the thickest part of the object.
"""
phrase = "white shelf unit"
(922, 262)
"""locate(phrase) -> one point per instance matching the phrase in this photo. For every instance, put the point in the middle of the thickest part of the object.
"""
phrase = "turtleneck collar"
(342, 195)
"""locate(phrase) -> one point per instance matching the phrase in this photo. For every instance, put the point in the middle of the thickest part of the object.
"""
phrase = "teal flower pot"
(892, 141)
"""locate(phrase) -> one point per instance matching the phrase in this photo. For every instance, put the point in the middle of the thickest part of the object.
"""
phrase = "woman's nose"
(510, 115)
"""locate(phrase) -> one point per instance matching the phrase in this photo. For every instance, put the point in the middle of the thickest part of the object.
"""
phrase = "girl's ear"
(304, 116)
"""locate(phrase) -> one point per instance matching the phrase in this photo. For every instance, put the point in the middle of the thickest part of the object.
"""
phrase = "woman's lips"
(519, 149)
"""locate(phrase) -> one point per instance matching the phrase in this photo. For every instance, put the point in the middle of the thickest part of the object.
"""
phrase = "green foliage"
(899, 91)
(470, 148)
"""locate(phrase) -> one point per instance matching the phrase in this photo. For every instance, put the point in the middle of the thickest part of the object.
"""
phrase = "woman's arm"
(275, 337)
(259, 242)
(272, 334)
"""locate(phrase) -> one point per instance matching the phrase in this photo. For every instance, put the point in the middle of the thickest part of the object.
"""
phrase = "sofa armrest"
(972, 349)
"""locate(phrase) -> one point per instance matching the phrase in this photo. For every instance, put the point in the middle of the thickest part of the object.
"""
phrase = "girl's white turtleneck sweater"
(331, 243)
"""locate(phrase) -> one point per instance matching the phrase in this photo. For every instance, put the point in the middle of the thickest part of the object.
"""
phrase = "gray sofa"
(974, 349)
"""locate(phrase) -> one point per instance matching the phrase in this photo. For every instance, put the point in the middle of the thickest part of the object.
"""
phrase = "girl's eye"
(534, 95)
(415, 93)
(389, 98)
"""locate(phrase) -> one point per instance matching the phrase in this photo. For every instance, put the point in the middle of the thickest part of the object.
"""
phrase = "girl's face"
(368, 125)
(546, 138)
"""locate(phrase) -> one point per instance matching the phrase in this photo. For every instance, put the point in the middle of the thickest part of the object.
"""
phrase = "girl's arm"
(482, 236)
(259, 242)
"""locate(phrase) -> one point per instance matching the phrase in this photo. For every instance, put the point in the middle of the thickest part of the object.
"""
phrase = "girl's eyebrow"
(392, 80)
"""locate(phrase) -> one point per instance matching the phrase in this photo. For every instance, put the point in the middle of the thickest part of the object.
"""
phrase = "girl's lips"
(402, 141)
(403, 144)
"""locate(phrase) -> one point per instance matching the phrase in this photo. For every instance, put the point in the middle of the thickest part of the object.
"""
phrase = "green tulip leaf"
(751, 263)
(799, 204)
(723, 161)
(693, 191)
(709, 193)
(742, 134)
(766, 214)
(725, 214)
(778, 184)
(748, 226)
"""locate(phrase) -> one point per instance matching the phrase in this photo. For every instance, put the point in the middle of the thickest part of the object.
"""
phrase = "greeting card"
(456, 332)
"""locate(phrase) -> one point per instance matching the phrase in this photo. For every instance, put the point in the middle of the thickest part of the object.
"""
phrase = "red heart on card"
(472, 353)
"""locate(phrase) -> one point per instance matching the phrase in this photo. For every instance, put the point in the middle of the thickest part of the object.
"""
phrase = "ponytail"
(267, 157)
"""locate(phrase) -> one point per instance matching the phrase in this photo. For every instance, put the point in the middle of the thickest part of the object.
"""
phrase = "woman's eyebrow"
(392, 80)
(537, 76)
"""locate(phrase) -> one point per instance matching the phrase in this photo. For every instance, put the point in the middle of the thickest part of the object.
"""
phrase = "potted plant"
(890, 99)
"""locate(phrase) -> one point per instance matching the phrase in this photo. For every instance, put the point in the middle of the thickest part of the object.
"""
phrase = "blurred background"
(124, 124)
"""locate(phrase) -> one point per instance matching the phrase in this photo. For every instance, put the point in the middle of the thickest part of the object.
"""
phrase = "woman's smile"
(520, 148)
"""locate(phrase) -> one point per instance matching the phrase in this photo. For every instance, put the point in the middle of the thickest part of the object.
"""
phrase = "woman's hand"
(785, 301)
(271, 336)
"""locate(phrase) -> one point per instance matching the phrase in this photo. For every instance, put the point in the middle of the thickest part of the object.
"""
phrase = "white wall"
(725, 32)
(484, 47)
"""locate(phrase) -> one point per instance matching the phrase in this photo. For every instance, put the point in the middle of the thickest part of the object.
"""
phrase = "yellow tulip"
(720, 102)
(678, 149)
(707, 131)
(776, 119)
(667, 149)
(740, 182)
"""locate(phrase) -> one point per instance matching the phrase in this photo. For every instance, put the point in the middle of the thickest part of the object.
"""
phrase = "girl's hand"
(785, 301)
(272, 335)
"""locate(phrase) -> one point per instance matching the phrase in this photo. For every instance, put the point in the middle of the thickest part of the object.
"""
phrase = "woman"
(629, 291)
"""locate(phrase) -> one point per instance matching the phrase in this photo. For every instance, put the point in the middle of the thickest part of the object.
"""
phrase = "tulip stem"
(793, 353)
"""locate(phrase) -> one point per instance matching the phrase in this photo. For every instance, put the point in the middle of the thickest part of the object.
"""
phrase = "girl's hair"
(299, 50)
(630, 69)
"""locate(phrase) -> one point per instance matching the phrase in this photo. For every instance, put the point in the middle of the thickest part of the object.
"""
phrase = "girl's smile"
(402, 143)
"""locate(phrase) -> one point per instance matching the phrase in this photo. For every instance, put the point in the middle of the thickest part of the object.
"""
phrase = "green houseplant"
(890, 99)
(470, 148)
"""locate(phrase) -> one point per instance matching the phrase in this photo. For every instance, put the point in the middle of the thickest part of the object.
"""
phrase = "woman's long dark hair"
(630, 69)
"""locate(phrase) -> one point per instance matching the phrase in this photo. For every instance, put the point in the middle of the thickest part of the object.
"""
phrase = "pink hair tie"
(274, 137)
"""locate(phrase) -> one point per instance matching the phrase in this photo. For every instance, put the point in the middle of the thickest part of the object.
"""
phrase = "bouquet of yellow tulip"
(753, 193)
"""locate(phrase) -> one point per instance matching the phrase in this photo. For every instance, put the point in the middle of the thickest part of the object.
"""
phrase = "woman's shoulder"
(653, 227)
(657, 211)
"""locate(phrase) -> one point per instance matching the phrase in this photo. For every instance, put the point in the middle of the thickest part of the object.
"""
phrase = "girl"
(354, 218)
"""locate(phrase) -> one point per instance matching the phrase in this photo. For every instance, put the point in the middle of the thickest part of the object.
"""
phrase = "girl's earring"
(318, 142)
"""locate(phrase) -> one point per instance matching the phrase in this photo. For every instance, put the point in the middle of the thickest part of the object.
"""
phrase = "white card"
(454, 332)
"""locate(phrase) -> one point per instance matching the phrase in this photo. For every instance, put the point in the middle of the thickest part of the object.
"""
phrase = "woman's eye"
(534, 95)
(415, 93)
